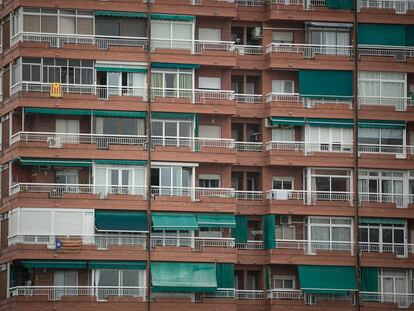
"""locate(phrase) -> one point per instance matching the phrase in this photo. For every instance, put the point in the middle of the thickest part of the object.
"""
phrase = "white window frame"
(380, 134)
(177, 91)
(379, 247)
(285, 130)
(177, 140)
(327, 143)
(281, 232)
(210, 177)
(286, 35)
(175, 190)
(283, 86)
(310, 173)
(382, 276)
(284, 179)
(284, 278)
(175, 43)
(380, 79)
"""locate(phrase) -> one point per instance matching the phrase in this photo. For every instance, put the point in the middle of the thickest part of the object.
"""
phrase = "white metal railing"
(60, 40)
(57, 140)
(285, 294)
(203, 96)
(102, 91)
(58, 190)
(248, 49)
(250, 245)
(310, 246)
(400, 249)
(249, 294)
(400, 6)
(310, 50)
(249, 195)
(200, 2)
(249, 146)
(221, 293)
(309, 102)
(250, 2)
(57, 292)
(196, 243)
(248, 98)
(102, 241)
(309, 197)
(403, 300)
(195, 46)
(400, 53)
(393, 149)
(400, 200)
(195, 143)
(286, 145)
(399, 103)
(196, 193)
(206, 45)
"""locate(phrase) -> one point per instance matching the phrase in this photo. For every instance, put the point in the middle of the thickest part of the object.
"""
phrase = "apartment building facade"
(207, 155)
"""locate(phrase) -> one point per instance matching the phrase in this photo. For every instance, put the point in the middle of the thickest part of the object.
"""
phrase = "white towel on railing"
(281, 194)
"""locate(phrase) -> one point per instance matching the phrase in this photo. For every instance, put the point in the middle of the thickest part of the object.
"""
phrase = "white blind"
(14, 222)
(209, 34)
(210, 131)
(209, 83)
(36, 221)
(160, 30)
(68, 222)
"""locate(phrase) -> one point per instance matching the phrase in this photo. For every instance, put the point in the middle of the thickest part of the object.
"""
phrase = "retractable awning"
(120, 221)
(327, 279)
(121, 14)
(287, 121)
(381, 124)
(120, 162)
(174, 17)
(174, 65)
(174, 221)
(54, 162)
(212, 220)
(325, 83)
(54, 264)
(183, 277)
(382, 34)
(119, 114)
(117, 264)
(330, 122)
(54, 111)
(382, 221)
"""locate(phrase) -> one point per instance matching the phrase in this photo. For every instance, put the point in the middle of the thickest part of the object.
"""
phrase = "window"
(326, 36)
(115, 26)
(174, 237)
(210, 131)
(381, 238)
(329, 233)
(15, 22)
(120, 126)
(209, 34)
(376, 85)
(282, 86)
(65, 126)
(169, 34)
(15, 72)
(209, 180)
(67, 177)
(209, 83)
(285, 232)
(65, 278)
(284, 282)
(328, 183)
(172, 180)
(393, 281)
(328, 139)
(116, 280)
(283, 134)
(172, 132)
(173, 83)
(282, 183)
(282, 36)
(380, 137)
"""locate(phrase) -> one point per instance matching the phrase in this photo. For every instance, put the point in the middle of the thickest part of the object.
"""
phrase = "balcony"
(298, 101)
(399, 103)
(311, 247)
(248, 98)
(60, 40)
(399, 6)
(402, 250)
(286, 296)
(195, 243)
(195, 46)
(55, 293)
(310, 50)
(402, 300)
(399, 53)
(399, 200)
(308, 148)
(242, 294)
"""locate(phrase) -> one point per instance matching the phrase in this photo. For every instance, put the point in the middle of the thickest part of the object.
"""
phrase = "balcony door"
(67, 131)
(114, 82)
(172, 180)
(65, 283)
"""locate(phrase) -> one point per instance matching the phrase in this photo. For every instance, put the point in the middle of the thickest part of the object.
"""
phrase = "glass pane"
(185, 129)
(85, 26)
(398, 236)
(111, 126)
(171, 129)
(114, 177)
(182, 31)
(341, 234)
(49, 24)
(374, 235)
(170, 80)
(319, 233)
(109, 277)
(165, 176)
(126, 180)
(31, 23)
(130, 278)
(156, 128)
(160, 30)
(363, 234)
(67, 24)
(387, 235)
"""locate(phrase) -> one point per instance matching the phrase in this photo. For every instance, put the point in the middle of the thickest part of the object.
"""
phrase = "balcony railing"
(60, 40)
(57, 140)
(195, 143)
(249, 49)
(403, 300)
(400, 6)
(400, 200)
(400, 53)
(235, 294)
(101, 91)
(400, 150)
(309, 197)
(196, 243)
(57, 292)
(194, 95)
(248, 98)
(401, 249)
(285, 294)
(249, 146)
(310, 50)
(399, 103)
(308, 147)
(102, 241)
(195, 193)
(250, 2)
(310, 246)
(250, 245)
(58, 190)
(308, 102)
(249, 195)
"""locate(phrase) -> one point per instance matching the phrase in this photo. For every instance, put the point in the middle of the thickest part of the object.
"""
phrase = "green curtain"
(240, 232)
(382, 34)
(340, 4)
(369, 279)
(225, 275)
(325, 83)
(269, 232)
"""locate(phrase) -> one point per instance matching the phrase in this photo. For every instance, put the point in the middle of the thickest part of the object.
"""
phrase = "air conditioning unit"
(54, 142)
(257, 33)
(285, 220)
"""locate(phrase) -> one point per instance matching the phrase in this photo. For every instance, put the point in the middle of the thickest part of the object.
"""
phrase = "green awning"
(269, 226)
(287, 121)
(174, 65)
(327, 279)
(381, 124)
(53, 111)
(120, 162)
(183, 277)
(173, 17)
(120, 221)
(173, 115)
(212, 220)
(121, 14)
(240, 232)
(409, 35)
(53, 162)
(369, 279)
(381, 34)
(225, 275)
(121, 69)
(325, 83)
(382, 221)
(54, 264)
(117, 264)
(119, 114)
(345, 123)
(340, 4)
(174, 221)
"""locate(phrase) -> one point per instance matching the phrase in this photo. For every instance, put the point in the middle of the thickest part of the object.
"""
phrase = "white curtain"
(139, 180)
(320, 233)
(100, 180)
(341, 234)
(99, 125)
(140, 126)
